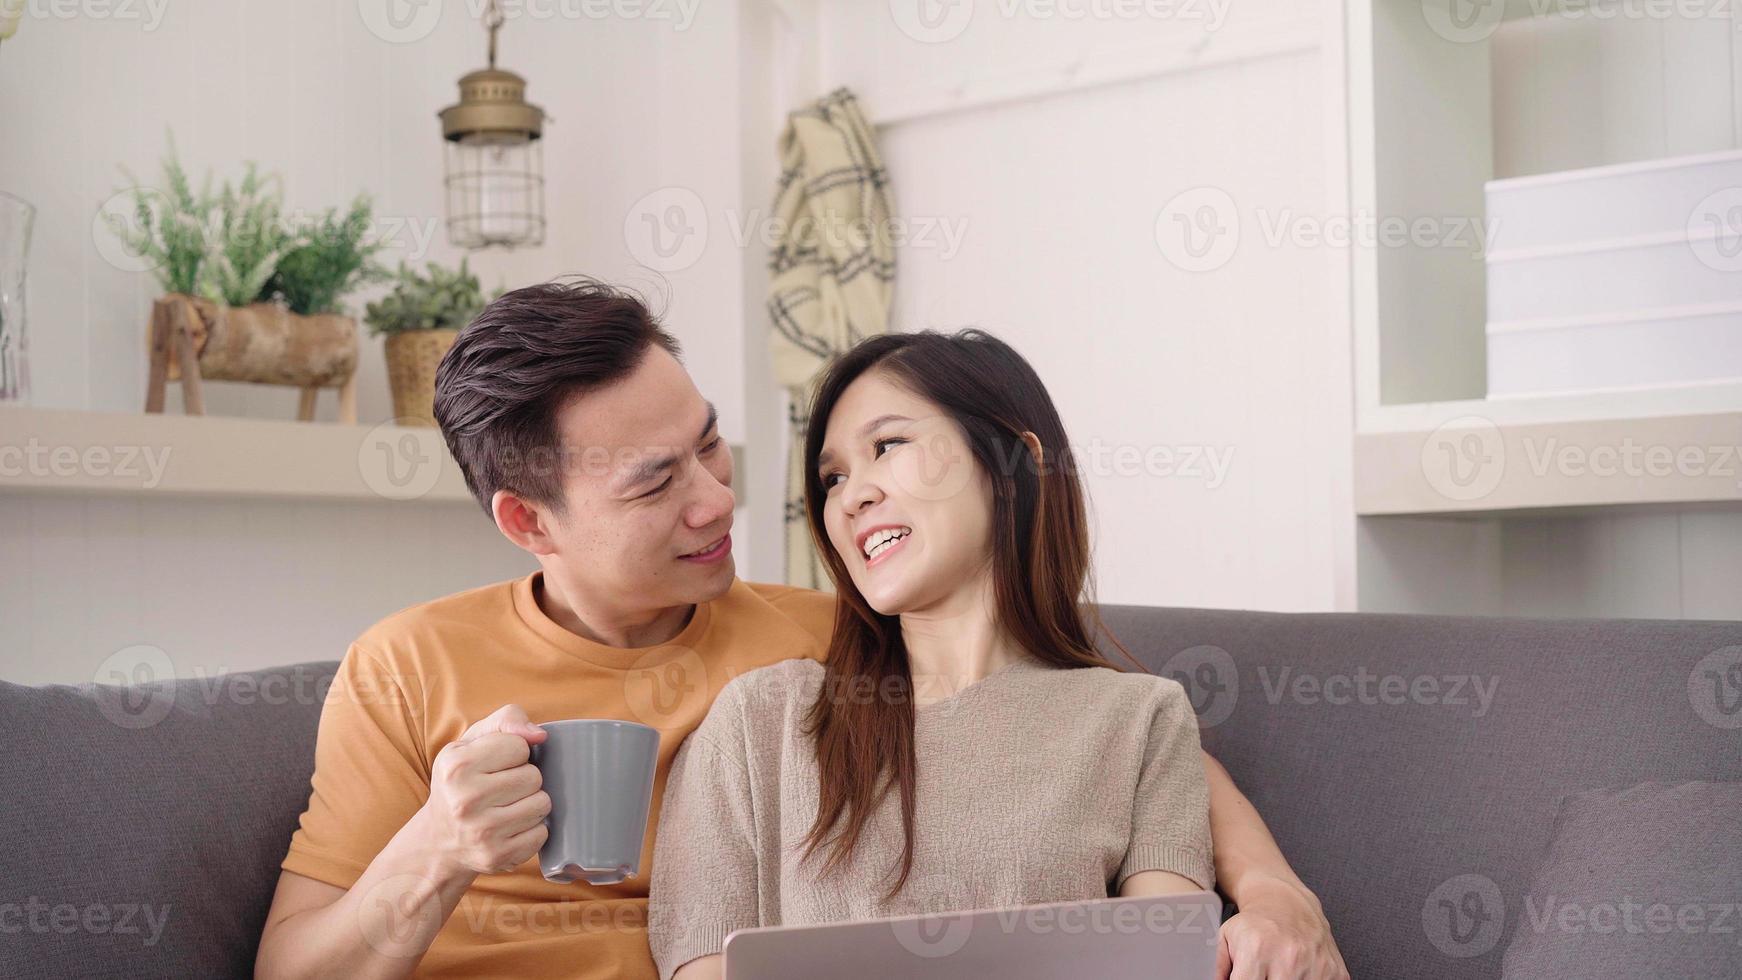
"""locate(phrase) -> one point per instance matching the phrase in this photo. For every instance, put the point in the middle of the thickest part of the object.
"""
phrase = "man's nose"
(713, 500)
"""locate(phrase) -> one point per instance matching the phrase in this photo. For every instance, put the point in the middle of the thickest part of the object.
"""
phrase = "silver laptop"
(1167, 937)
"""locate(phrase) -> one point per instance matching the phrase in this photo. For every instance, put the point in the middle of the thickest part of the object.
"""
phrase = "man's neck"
(646, 628)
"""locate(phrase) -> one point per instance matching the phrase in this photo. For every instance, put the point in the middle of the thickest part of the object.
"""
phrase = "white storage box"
(1616, 277)
(1677, 347)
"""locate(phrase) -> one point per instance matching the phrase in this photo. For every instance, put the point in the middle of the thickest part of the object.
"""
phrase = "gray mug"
(599, 774)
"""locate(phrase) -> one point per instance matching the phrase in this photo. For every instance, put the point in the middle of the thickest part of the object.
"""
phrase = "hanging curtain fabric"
(831, 275)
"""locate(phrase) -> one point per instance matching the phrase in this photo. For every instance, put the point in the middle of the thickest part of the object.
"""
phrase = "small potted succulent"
(420, 316)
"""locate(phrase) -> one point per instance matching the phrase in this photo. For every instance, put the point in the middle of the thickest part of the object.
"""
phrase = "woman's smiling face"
(902, 484)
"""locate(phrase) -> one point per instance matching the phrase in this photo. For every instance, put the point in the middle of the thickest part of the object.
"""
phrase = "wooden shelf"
(52, 450)
(49, 450)
(1474, 459)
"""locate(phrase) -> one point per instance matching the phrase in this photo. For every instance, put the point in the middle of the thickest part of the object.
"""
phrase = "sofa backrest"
(1397, 759)
(1411, 767)
(141, 827)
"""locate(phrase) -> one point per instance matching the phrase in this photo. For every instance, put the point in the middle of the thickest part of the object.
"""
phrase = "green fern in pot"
(420, 317)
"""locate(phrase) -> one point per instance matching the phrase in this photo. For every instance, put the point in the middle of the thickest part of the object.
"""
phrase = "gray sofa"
(142, 829)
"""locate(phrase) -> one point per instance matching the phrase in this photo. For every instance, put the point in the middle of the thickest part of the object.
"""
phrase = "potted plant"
(247, 298)
(420, 316)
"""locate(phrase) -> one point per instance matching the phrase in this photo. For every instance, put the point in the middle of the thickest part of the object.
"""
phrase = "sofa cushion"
(143, 826)
(1411, 766)
(1641, 882)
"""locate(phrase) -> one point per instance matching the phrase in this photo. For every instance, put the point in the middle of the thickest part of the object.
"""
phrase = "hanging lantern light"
(495, 161)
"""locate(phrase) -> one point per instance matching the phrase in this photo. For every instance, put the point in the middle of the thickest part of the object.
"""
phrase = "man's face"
(648, 486)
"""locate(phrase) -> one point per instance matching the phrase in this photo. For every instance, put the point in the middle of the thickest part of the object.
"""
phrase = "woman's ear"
(1033, 442)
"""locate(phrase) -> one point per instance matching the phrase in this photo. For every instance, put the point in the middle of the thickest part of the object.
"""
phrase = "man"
(586, 441)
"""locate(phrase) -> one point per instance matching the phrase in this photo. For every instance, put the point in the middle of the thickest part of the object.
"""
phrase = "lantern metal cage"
(494, 158)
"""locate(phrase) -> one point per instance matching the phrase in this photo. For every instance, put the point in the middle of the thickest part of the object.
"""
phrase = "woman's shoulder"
(764, 697)
(797, 677)
(1131, 688)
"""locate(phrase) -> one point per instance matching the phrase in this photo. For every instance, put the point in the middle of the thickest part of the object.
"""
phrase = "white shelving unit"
(1438, 105)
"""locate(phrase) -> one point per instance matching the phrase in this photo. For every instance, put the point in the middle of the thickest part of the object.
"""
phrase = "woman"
(963, 745)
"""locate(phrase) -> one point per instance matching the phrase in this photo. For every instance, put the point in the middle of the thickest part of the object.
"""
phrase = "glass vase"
(16, 216)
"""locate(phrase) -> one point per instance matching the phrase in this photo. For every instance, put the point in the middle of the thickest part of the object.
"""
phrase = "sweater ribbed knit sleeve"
(1170, 821)
(704, 863)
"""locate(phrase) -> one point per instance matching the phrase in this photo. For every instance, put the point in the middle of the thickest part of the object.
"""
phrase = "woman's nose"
(861, 494)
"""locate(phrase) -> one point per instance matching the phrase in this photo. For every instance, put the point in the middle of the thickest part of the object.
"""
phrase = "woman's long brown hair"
(1040, 554)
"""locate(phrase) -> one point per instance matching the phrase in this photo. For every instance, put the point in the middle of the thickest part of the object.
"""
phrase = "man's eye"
(715, 444)
(656, 490)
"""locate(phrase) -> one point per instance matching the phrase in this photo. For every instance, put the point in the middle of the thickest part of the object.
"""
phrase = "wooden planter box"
(195, 340)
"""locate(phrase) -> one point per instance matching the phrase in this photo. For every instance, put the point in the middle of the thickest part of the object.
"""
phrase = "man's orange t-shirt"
(415, 681)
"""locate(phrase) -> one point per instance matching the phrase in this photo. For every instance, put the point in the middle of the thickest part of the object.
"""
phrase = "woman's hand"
(1280, 933)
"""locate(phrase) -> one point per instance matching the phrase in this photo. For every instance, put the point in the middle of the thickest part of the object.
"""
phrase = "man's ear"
(521, 522)
(1034, 448)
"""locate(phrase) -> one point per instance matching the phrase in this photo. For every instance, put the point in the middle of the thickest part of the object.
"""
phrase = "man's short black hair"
(499, 387)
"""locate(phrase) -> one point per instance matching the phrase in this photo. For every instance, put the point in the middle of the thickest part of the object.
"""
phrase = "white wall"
(638, 105)
(1056, 200)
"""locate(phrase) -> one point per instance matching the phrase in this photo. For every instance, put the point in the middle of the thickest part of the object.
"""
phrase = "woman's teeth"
(883, 540)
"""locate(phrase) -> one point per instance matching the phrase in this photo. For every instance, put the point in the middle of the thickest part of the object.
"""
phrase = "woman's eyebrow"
(881, 421)
(827, 456)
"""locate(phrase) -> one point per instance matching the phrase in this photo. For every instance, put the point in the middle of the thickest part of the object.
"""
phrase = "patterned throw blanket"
(831, 275)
